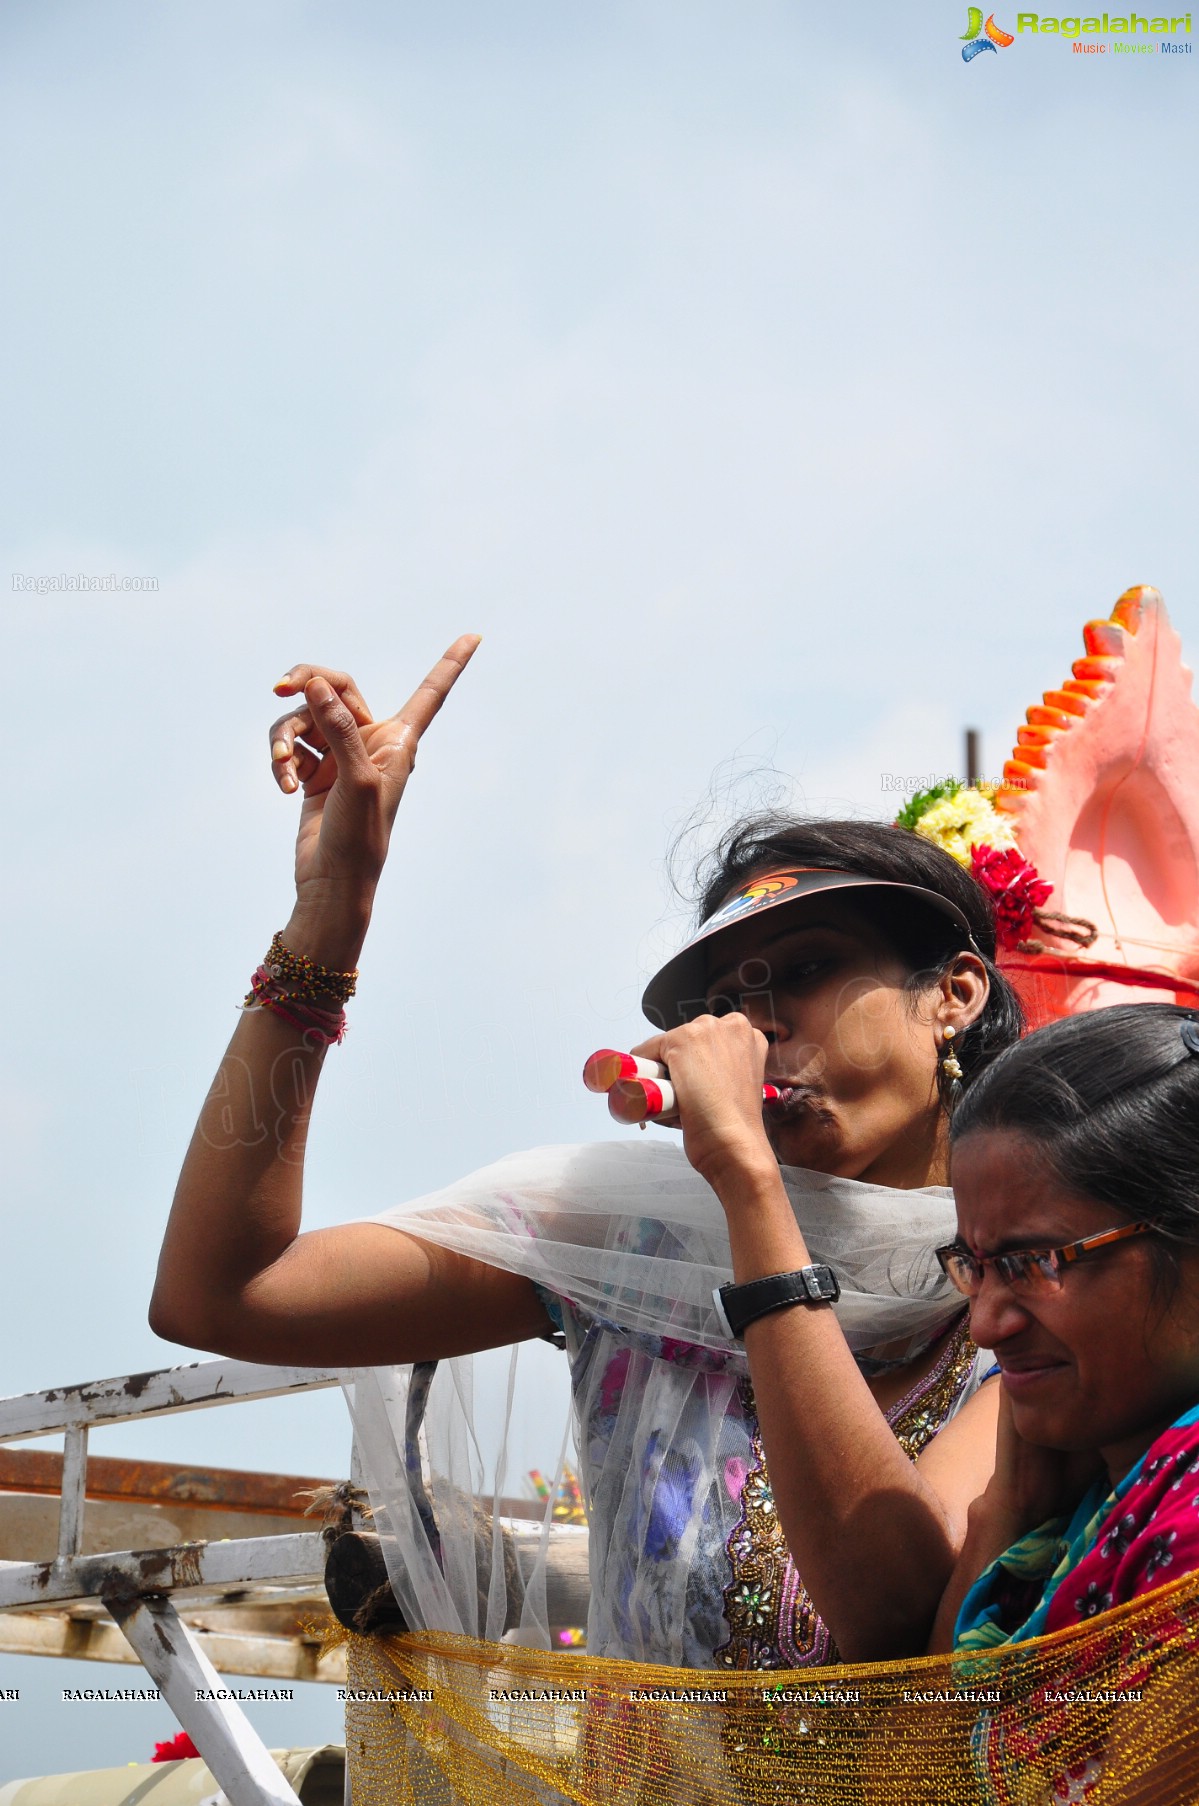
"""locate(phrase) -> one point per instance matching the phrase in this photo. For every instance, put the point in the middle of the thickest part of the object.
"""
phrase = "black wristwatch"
(738, 1306)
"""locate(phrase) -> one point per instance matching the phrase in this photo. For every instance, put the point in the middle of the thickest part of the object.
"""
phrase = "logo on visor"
(767, 887)
(755, 894)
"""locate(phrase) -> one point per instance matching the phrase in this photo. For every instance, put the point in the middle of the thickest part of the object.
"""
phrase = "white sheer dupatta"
(635, 1241)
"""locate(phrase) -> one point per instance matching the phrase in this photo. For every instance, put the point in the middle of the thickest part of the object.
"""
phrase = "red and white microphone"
(639, 1091)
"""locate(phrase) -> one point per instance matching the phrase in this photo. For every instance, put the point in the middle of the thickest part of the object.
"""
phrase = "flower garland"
(963, 821)
(1016, 889)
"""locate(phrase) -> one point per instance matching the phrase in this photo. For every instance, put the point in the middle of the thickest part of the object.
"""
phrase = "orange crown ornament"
(1090, 847)
(1102, 796)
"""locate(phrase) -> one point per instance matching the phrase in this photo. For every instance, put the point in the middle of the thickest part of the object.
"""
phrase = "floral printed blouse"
(688, 1562)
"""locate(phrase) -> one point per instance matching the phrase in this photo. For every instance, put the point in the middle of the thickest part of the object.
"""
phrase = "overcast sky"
(775, 393)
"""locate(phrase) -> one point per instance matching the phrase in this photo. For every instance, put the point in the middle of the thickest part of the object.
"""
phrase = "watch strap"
(737, 1306)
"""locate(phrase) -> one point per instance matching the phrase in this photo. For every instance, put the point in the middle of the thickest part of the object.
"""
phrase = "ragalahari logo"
(979, 37)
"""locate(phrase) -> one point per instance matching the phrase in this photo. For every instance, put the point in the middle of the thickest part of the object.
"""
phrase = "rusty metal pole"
(973, 755)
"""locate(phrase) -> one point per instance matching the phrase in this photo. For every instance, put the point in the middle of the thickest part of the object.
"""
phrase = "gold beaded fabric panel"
(1104, 1712)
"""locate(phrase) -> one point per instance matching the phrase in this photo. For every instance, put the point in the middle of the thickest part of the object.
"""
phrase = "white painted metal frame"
(136, 1586)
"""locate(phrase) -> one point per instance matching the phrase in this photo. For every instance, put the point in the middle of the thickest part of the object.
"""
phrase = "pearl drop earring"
(949, 1063)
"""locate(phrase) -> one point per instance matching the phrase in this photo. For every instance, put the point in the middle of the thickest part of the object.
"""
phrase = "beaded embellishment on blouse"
(771, 1618)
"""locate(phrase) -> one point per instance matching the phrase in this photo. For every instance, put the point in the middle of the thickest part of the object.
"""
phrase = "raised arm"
(236, 1275)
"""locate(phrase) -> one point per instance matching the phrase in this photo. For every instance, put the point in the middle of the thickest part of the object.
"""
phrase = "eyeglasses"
(1028, 1270)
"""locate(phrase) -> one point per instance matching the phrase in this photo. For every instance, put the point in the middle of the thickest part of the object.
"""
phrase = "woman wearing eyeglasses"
(1076, 1175)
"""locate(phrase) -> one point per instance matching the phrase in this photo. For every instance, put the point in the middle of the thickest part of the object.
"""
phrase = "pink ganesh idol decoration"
(1101, 795)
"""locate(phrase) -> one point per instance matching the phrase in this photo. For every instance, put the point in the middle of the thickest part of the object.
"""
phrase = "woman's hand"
(1030, 1484)
(716, 1066)
(353, 770)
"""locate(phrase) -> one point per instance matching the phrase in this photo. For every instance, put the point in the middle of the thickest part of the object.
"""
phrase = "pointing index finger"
(428, 696)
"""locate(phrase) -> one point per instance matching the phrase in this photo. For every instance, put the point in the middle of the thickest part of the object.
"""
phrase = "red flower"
(1014, 888)
(177, 1750)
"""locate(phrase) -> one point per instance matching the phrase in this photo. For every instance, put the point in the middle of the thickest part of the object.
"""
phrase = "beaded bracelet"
(286, 984)
(303, 977)
(327, 1027)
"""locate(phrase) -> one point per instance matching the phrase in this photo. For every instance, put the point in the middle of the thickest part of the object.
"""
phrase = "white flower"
(966, 820)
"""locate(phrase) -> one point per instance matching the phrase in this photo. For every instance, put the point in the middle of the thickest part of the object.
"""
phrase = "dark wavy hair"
(1111, 1098)
(926, 941)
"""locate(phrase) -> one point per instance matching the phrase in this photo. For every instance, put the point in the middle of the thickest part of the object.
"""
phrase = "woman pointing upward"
(850, 963)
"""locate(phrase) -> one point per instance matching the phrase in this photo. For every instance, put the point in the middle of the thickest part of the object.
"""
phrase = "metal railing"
(138, 1587)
